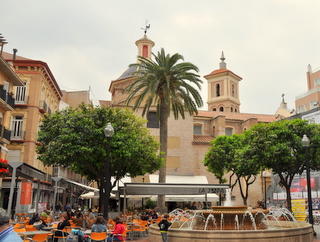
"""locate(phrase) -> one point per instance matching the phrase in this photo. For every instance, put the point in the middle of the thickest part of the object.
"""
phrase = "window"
(302, 108)
(197, 129)
(16, 127)
(218, 90)
(313, 104)
(20, 96)
(228, 131)
(221, 109)
(153, 121)
(317, 82)
(14, 155)
(214, 109)
(232, 90)
(231, 109)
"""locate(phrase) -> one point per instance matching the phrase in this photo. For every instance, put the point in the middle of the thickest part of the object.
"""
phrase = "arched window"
(231, 109)
(221, 109)
(214, 109)
(218, 90)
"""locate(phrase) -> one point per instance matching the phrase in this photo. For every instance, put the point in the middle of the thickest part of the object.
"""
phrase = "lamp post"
(265, 174)
(305, 143)
(108, 131)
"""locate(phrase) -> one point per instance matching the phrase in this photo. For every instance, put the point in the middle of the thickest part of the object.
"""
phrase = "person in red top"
(118, 229)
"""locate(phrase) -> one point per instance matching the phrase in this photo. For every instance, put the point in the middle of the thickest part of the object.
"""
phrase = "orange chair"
(60, 234)
(18, 226)
(30, 228)
(40, 238)
(123, 235)
(98, 236)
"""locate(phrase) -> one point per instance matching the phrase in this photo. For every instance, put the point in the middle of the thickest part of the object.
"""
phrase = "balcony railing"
(17, 135)
(21, 100)
(5, 133)
(43, 107)
(6, 97)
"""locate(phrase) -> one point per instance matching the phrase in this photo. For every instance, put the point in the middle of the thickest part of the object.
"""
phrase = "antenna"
(147, 27)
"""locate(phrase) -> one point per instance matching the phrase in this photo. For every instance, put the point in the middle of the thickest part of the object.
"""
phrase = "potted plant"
(4, 171)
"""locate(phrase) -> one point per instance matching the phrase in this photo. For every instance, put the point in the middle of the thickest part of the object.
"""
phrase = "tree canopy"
(278, 146)
(170, 86)
(74, 138)
(230, 154)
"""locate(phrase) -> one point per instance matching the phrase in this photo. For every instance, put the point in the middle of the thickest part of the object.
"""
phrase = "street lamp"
(108, 131)
(265, 174)
(305, 143)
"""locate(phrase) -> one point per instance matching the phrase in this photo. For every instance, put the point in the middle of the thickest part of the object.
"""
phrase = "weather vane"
(146, 28)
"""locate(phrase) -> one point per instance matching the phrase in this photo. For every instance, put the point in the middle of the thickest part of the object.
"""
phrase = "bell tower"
(223, 89)
(145, 47)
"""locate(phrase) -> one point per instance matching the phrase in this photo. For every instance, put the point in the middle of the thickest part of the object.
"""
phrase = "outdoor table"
(48, 228)
(31, 233)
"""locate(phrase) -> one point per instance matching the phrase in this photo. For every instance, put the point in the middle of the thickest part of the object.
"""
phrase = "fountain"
(234, 223)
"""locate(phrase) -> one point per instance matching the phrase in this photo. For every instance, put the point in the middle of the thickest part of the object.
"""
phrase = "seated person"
(44, 214)
(79, 221)
(144, 217)
(91, 214)
(99, 225)
(34, 218)
(38, 224)
(154, 215)
(61, 225)
(118, 229)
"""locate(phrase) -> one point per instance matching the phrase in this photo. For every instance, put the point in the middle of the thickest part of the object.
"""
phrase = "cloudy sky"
(269, 43)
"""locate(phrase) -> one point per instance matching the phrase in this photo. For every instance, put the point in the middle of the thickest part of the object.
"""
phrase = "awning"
(89, 195)
(185, 191)
(29, 172)
(172, 189)
(4, 149)
(121, 182)
(191, 179)
(81, 185)
(189, 198)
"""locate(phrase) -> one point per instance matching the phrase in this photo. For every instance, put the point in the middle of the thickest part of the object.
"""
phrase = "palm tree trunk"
(163, 149)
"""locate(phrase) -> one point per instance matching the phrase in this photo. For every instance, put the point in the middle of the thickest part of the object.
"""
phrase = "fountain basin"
(284, 231)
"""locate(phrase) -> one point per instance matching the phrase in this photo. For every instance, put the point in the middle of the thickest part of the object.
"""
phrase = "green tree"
(278, 146)
(230, 154)
(169, 85)
(74, 138)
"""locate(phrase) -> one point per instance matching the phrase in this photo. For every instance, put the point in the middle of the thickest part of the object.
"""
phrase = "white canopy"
(189, 198)
(184, 179)
(90, 195)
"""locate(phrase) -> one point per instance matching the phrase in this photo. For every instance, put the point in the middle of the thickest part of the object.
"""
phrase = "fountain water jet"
(234, 223)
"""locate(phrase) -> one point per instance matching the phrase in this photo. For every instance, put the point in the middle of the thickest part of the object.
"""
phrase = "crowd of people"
(82, 220)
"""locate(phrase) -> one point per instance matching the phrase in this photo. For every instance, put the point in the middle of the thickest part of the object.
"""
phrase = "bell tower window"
(218, 90)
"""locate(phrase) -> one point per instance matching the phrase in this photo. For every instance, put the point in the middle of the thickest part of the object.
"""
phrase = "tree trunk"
(163, 150)
(288, 198)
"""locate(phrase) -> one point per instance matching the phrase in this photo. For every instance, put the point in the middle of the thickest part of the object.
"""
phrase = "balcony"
(18, 136)
(5, 134)
(21, 101)
(43, 107)
(6, 100)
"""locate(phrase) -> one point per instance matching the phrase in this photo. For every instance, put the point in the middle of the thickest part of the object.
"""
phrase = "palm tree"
(162, 83)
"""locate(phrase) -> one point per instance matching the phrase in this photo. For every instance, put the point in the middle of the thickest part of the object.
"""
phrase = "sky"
(269, 43)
